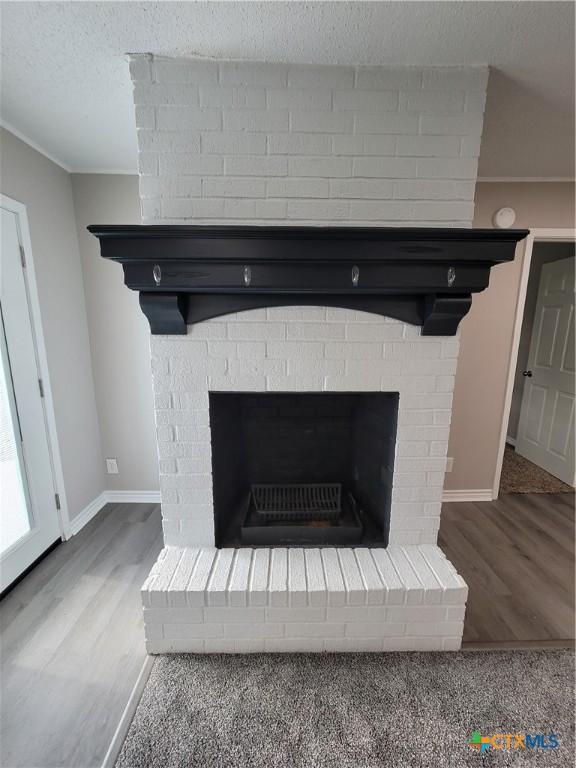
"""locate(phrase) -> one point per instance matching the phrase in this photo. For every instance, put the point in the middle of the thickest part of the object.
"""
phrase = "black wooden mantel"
(186, 274)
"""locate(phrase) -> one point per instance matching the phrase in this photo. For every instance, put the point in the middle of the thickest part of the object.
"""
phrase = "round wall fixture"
(504, 218)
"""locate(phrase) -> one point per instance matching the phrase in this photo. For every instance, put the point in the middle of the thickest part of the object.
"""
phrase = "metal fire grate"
(312, 501)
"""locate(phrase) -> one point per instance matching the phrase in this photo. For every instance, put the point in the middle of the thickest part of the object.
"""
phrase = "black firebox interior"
(302, 469)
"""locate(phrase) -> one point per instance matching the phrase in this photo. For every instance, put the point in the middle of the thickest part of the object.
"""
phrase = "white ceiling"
(65, 82)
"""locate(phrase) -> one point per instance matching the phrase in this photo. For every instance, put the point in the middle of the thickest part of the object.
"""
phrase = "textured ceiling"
(65, 82)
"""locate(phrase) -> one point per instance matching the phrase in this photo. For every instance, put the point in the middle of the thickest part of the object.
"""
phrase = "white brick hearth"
(257, 143)
(250, 600)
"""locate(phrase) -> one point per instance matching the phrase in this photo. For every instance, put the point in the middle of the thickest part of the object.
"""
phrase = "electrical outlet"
(112, 466)
(449, 464)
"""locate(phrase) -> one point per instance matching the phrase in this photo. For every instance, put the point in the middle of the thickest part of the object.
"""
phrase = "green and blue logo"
(512, 741)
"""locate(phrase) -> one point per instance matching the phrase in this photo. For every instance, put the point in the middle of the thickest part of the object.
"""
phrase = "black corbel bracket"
(166, 312)
(442, 314)
(187, 274)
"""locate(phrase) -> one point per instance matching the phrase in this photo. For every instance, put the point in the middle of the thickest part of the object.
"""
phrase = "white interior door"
(28, 517)
(546, 428)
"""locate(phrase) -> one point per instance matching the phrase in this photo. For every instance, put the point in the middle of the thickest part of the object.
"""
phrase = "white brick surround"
(266, 143)
(256, 143)
(302, 349)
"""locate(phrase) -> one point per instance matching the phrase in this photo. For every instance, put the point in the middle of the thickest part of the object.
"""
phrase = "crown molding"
(105, 172)
(34, 145)
(124, 172)
(49, 156)
(524, 179)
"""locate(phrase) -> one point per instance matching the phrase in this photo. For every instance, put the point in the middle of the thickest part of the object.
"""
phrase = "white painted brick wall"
(312, 349)
(270, 143)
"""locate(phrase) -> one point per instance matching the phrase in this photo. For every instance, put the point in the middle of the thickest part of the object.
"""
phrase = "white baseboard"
(511, 441)
(78, 522)
(111, 497)
(473, 494)
(133, 497)
(128, 714)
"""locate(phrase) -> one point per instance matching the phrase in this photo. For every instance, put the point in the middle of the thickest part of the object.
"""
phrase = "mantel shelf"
(186, 274)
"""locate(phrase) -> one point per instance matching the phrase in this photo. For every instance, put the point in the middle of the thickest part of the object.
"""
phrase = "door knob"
(527, 373)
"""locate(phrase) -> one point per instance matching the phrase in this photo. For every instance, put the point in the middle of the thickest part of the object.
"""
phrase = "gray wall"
(119, 335)
(543, 253)
(46, 191)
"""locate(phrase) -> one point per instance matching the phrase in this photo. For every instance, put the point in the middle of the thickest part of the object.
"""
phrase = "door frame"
(537, 235)
(19, 209)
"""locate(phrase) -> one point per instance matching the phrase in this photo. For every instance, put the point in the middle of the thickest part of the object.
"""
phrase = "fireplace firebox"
(302, 469)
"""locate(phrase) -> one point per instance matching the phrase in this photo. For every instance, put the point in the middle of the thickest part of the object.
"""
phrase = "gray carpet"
(350, 710)
(522, 476)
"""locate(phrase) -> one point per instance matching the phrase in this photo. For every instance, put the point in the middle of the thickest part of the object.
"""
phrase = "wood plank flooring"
(72, 641)
(517, 557)
(71, 631)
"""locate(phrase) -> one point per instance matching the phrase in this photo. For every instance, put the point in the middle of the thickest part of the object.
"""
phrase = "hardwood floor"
(72, 641)
(517, 557)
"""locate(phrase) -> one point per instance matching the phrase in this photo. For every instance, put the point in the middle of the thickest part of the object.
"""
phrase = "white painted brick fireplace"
(302, 349)
(234, 142)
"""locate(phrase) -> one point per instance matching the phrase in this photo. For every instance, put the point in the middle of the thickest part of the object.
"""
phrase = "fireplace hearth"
(302, 469)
